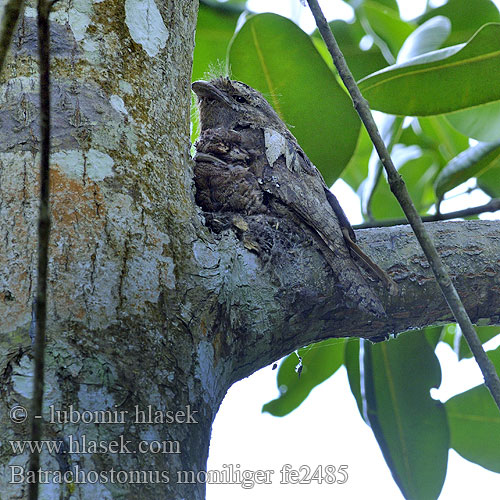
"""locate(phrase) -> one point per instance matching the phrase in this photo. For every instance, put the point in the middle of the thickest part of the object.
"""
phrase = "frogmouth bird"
(248, 162)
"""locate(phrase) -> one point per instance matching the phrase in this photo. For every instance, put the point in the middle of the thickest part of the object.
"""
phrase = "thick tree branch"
(286, 297)
(400, 191)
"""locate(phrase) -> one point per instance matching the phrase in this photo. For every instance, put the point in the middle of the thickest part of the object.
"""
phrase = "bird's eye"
(240, 98)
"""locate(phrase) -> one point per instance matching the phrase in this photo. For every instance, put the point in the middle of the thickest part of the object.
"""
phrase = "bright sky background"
(327, 428)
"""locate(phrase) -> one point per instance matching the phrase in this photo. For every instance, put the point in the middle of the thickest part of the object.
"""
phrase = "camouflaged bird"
(248, 162)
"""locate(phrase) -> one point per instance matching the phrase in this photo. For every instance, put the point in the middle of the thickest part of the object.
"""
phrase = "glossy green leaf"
(488, 182)
(276, 57)
(348, 36)
(484, 333)
(470, 163)
(412, 134)
(418, 174)
(481, 123)
(351, 361)
(474, 422)
(443, 137)
(426, 38)
(433, 334)
(391, 4)
(466, 17)
(386, 24)
(214, 30)
(390, 128)
(446, 80)
(319, 361)
(236, 6)
(357, 168)
(449, 335)
(410, 427)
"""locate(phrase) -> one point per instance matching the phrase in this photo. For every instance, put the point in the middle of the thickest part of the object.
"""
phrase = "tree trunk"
(154, 308)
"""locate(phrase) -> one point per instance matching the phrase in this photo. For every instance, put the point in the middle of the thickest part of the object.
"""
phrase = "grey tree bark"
(153, 314)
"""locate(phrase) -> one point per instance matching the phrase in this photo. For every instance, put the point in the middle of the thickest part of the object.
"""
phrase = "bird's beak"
(206, 89)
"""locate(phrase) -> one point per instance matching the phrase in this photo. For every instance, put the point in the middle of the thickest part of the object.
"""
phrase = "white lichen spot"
(145, 25)
(22, 378)
(125, 87)
(70, 162)
(90, 45)
(204, 255)
(30, 12)
(99, 165)
(118, 104)
(79, 18)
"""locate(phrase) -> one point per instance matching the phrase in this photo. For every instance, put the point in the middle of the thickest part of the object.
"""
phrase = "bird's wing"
(297, 184)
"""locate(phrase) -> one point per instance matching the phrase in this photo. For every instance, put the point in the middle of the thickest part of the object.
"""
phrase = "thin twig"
(399, 190)
(492, 206)
(11, 14)
(43, 239)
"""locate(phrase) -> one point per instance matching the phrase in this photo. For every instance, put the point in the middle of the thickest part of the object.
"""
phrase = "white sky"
(327, 428)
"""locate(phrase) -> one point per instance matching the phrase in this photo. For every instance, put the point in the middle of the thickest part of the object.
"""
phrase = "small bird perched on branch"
(248, 162)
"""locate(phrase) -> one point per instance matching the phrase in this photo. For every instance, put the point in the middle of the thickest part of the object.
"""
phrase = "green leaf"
(390, 128)
(391, 4)
(386, 24)
(410, 427)
(427, 37)
(351, 360)
(449, 335)
(484, 333)
(470, 163)
(488, 182)
(348, 36)
(357, 168)
(418, 173)
(446, 80)
(482, 122)
(237, 6)
(475, 423)
(319, 361)
(433, 334)
(466, 17)
(214, 30)
(273, 55)
(443, 137)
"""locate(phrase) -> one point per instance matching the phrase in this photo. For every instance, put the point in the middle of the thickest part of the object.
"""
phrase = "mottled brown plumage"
(248, 162)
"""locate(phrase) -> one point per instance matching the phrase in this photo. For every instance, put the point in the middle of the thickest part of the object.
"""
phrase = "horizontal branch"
(284, 299)
(492, 206)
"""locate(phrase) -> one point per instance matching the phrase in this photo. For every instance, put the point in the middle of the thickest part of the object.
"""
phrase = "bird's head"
(229, 103)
